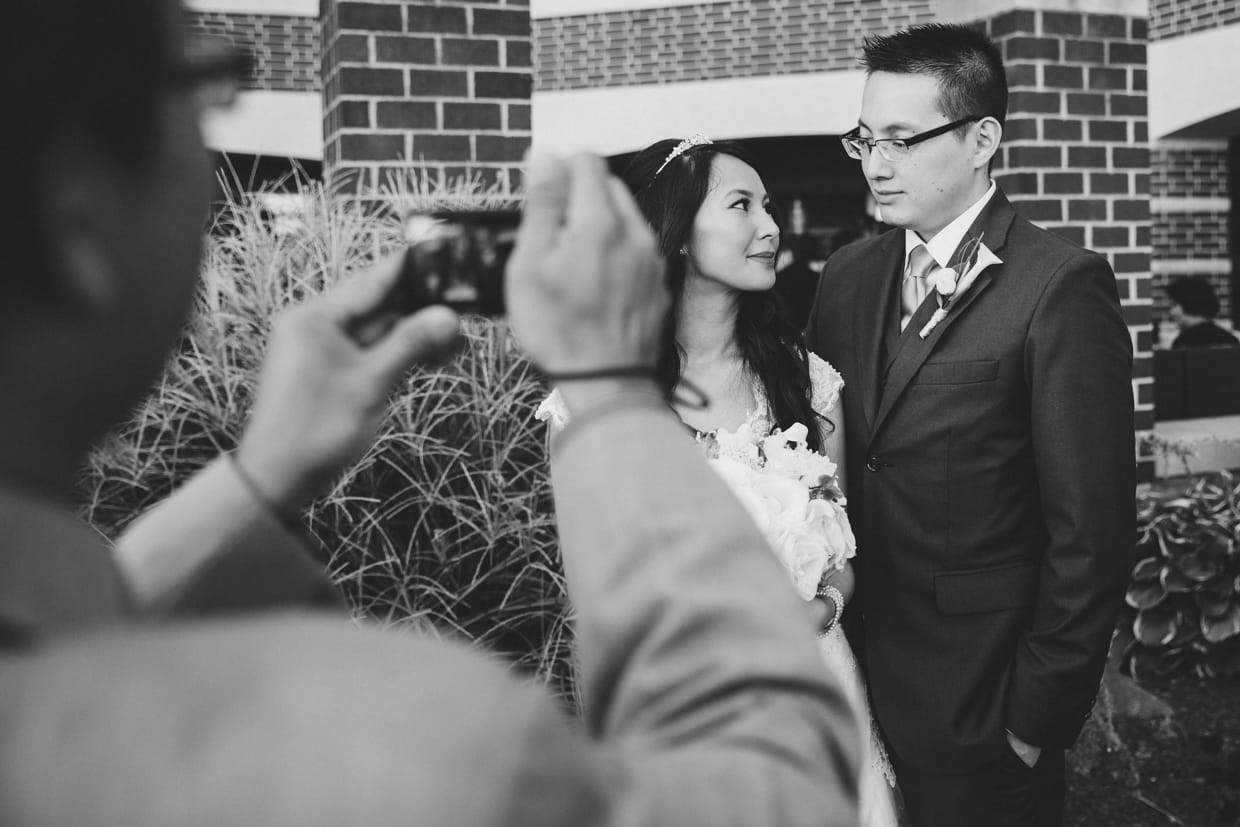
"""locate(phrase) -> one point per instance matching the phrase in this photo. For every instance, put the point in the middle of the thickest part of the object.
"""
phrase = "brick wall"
(1189, 169)
(1076, 151)
(443, 84)
(1169, 18)
(712, 40)
(1190, 204)
(286, 49)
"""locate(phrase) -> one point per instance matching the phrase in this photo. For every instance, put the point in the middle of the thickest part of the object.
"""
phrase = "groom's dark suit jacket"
(990, 475)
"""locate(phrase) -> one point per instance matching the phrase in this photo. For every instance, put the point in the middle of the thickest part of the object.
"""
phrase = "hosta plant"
(1184, 597)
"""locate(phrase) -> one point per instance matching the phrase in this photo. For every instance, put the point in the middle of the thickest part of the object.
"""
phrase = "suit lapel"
(875, 296)
(993, 222)
(902, 338)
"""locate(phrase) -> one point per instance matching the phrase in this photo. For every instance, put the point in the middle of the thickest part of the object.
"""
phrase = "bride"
(734, 365)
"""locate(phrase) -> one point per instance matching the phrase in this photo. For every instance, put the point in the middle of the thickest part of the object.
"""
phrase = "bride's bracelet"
(686, 394)
(833, 594)
(617, 372)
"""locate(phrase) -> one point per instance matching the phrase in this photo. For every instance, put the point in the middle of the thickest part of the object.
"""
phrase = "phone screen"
(457, 259)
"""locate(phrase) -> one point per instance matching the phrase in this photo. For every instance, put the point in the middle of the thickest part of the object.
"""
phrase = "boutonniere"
(953, 281)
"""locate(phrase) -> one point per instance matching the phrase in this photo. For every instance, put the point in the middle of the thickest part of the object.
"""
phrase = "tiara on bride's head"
(680, 149)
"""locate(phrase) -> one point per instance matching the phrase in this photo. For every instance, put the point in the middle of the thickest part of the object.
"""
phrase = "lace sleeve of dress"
(825, 385)
(553, 410)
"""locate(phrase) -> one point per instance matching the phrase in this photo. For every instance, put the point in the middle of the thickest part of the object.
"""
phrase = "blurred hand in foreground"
(585, 287)
(322, 393)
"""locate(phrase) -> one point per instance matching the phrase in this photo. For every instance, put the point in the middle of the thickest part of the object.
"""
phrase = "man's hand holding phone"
(322, 393)
(584, 291)
(585, 284)
(456, 259)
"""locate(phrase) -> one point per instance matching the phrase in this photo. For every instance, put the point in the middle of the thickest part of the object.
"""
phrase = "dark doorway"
(237, 173)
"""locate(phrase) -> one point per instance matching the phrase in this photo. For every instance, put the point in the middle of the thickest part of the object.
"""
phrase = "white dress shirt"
(947, 239)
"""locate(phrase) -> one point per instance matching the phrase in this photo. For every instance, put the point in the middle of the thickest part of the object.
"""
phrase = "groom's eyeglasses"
(895, 149)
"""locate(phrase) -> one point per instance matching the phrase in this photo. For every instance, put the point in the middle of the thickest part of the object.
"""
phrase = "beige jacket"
(707, 702)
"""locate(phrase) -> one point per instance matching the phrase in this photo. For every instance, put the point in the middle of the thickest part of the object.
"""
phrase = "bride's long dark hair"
(770, 345)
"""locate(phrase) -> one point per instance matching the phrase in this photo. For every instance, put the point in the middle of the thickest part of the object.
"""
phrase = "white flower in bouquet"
(787, 454)
(740, 446)
(740, 478)
(829, 517)
(780, 482)
(801, 551)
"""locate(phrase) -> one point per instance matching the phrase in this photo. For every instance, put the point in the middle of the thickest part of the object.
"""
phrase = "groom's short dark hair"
(966, 63)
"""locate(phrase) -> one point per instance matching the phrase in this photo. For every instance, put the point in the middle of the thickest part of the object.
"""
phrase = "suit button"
(873, 464)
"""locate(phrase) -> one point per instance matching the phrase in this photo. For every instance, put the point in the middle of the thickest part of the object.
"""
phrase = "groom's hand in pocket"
(1025, 751)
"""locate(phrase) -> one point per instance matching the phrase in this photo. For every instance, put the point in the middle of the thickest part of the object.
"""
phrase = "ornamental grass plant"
(446, 523)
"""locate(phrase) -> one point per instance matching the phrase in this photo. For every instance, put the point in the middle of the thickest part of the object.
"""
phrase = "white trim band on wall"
(1204, 144)
(612, 120)
(570, 8)
(1190, 266)
(1169, 204)
(1193, 78)
(283, 124)
(278, 8)
(966, 11)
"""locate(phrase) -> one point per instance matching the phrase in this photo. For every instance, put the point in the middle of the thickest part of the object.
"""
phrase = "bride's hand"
(846, 581)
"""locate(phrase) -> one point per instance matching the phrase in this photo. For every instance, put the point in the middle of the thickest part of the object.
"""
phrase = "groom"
(989, 450)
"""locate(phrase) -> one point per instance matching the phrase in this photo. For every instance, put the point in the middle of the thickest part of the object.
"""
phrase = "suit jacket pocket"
(958, 373)
(993, 589)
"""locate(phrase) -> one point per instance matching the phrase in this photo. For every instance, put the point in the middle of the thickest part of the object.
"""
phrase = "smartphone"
(456, 258)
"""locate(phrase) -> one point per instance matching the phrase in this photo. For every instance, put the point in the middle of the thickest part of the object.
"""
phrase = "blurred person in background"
(796, 280)
(1194, 305)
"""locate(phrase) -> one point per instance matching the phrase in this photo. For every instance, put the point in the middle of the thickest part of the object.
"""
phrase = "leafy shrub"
(1184, 598)
(446, 523)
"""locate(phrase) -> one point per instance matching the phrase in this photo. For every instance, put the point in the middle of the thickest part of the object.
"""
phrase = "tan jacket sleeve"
(211, 546)
(707, 701)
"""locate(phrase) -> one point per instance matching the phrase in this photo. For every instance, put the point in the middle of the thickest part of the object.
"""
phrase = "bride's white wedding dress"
(877, 782)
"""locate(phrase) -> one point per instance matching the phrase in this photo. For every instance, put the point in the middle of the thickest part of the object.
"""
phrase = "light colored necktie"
(913, 289)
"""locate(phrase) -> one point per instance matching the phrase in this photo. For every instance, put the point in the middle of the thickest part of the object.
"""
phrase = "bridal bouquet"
(791, 493)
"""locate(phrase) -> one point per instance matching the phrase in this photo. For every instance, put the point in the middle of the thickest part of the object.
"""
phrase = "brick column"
(440, 86)
(1076, 153)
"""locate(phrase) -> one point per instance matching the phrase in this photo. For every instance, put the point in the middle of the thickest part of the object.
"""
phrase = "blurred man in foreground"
(706, 701)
